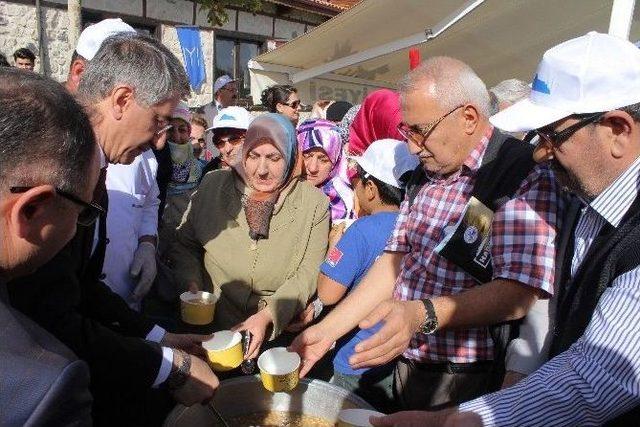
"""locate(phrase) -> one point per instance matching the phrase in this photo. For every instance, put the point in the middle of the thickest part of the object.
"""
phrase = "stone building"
(226, 49)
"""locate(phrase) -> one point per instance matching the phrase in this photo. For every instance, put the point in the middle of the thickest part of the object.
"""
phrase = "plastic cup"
(279, 369)
(224, 350)
(356, 417)
(197, 308)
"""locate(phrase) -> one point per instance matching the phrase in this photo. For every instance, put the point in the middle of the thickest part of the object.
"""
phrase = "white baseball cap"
(221, 82)
(92, 37)
(387, 160)
(232, 117)
(589, 74)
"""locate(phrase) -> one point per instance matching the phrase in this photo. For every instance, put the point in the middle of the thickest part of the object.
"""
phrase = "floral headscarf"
(325, 134)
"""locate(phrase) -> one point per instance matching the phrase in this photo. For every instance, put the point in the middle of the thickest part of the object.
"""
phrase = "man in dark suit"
(129, 88)
(49, 165)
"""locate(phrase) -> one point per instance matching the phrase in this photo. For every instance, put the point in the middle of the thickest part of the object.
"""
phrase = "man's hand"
(303, 319)
(401, 320)
(312, 344)
(191, 343)
(336, 233)
(144, 269)
(200, 386)
(444, 418)
(257, 325)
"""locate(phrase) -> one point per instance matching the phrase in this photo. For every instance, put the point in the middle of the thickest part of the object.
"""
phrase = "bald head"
(448, 80)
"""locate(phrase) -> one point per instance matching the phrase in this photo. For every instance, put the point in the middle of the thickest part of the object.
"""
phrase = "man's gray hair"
(450, 81)
(509, 91)
(143, 63)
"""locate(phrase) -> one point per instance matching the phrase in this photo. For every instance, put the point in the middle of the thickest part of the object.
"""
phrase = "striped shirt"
(598, 377)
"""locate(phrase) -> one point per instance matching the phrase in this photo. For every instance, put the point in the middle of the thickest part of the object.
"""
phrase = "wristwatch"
(430, 323)
(179, 376)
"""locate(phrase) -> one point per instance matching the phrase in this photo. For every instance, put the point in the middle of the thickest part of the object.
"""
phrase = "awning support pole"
(621, 18)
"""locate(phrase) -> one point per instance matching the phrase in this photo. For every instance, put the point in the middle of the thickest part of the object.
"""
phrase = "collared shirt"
(523, 231)
(598, 377)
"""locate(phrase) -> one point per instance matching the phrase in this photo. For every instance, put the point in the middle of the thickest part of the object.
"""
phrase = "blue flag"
(192, 53)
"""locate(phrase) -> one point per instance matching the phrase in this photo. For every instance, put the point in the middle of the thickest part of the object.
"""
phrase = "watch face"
(429, 326)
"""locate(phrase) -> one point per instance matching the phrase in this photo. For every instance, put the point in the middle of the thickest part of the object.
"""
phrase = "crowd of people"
(453, 255)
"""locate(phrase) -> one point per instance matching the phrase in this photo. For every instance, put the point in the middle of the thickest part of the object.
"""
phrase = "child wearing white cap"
(383, 170)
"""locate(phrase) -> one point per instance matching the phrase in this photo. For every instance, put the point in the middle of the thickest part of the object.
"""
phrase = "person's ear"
(619, 126)
(370, 190)
(279, 108)
(121, 100)
(75, 73)
(32, 211)
(471, 118)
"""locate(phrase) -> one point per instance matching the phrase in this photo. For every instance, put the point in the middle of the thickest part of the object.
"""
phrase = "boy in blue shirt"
(382, 173)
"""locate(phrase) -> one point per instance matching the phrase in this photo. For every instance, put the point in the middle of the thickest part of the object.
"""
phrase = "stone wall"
(18, 29)
(169, 38)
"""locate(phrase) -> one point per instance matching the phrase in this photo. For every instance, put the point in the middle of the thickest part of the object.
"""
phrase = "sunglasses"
(233, 140)
(418, 134)
(294, 104)
(86, 217)
(556, 138)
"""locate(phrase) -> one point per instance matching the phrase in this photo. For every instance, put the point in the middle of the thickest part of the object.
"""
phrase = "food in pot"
(278, 419)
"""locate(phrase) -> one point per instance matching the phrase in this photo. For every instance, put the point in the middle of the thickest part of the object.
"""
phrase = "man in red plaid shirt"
(436, 315)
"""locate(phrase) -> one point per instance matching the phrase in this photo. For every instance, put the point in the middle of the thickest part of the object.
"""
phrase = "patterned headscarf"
(324, 134)
(345, 124)
(259, 205)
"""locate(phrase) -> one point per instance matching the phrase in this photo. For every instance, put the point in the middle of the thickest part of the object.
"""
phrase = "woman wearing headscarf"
(256, 235)
(378, 118)
(321, 146)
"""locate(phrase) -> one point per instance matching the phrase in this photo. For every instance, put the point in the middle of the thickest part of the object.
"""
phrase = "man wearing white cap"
(88, 44)
(585, 108)
(472, 249)
(228, 131)
(225, 94)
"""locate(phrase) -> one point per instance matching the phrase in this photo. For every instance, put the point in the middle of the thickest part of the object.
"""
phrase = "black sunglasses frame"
(556, 138)
(86, 217)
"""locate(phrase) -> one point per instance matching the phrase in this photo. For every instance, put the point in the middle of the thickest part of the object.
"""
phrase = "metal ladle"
(249, 365)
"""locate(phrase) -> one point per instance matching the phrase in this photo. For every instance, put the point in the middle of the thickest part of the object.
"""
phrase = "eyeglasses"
(555, 139)
(295, 104)
(418, 134)
(86, 217)
(163, 130)
(233, 140)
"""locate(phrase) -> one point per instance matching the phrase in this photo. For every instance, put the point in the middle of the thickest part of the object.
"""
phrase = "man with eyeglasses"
(585, 107)
(137, 368)
(42, 196)
(439, 308)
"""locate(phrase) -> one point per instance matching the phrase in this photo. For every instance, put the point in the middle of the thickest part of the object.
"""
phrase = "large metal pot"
(246, 395)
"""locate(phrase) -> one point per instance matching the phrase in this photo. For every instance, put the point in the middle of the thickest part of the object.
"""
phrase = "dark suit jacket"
(41, 381)
(66, 297)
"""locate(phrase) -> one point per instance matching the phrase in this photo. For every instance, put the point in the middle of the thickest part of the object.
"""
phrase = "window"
(231, 58)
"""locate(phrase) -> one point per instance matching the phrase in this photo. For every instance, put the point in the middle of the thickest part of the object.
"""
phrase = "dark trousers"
(374, 386)
(434, 386)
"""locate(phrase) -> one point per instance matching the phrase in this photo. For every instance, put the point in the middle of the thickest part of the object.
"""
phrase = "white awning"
(345, 58)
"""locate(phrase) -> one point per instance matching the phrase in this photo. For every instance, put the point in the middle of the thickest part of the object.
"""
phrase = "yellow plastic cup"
(356, 417)
(279, 369)
(197, 308)
(224, 350)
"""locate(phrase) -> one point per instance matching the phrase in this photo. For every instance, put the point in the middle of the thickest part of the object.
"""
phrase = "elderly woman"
(321, 146)
(259, 232)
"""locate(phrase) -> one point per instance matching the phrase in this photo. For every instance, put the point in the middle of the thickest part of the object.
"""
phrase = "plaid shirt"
(522, 249)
